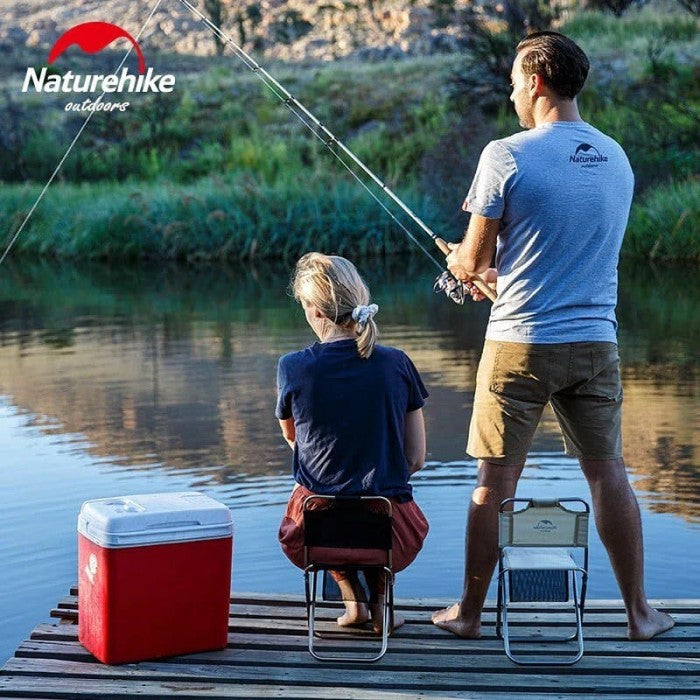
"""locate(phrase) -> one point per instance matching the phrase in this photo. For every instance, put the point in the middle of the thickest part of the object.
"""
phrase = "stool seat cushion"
(557, 558)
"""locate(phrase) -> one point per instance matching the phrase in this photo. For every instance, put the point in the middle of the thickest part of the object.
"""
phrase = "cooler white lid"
(128, 521)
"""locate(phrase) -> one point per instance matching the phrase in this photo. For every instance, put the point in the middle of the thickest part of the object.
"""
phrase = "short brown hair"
(559, 61)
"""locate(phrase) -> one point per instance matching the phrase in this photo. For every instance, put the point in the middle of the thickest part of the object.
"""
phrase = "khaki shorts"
(516, 380)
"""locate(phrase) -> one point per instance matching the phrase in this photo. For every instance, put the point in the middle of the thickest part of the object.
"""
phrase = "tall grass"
(223, 218)
(241, 218)
(665, 223)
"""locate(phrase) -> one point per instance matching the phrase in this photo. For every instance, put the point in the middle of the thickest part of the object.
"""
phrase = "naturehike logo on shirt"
(588, 156)
(92, 37)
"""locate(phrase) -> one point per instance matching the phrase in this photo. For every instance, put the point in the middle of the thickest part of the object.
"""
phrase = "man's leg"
(511, 392)
(620, 528)
(495, 483)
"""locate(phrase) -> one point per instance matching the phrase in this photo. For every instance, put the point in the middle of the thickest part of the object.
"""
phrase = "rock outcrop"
(279, 29)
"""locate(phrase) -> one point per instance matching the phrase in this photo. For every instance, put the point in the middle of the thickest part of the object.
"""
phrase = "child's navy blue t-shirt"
(349, 416)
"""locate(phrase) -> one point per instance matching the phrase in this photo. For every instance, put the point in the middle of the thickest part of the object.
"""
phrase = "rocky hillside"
(280, 29)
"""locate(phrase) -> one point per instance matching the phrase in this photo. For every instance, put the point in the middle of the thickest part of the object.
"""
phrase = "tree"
(493, 30)
(216, 12)
(617, 7)
(242, 14)
(693, 6)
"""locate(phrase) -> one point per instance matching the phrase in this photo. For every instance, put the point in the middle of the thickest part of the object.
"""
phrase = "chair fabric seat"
(551, 558)
(337, 556)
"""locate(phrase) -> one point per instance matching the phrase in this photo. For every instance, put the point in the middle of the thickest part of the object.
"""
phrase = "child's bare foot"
(355, 614)
(378, 620)
(378, 623)
(649, 625)
(452, 620)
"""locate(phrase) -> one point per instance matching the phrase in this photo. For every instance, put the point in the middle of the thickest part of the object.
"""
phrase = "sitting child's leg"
(356, 612)
(377, 584)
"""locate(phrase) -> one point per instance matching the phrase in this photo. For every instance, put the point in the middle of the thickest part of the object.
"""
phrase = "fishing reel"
(453, 288)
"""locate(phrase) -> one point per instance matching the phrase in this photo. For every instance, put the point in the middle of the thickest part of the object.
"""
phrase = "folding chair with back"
(332, 526)
(536, 564)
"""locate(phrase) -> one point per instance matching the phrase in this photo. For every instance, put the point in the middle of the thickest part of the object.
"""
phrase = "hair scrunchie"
(362, 314)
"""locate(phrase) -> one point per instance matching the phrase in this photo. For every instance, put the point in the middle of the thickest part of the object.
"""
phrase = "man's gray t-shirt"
(563, 192)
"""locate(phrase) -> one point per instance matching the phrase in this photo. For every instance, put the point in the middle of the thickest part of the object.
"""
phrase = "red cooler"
(154, 575)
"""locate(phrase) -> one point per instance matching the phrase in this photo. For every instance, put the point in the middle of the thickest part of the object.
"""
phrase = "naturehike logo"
(545, 526)
(92, 37)
(588, 156)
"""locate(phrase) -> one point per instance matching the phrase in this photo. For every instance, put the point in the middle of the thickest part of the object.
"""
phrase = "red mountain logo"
(92, 37)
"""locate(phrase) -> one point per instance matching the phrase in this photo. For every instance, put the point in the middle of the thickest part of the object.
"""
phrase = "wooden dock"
(267, 657)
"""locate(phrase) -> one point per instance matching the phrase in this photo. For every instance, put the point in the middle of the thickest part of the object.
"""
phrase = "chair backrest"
(543, 523)
(348, 523)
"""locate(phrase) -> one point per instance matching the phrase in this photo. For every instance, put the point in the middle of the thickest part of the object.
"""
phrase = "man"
(552, 202)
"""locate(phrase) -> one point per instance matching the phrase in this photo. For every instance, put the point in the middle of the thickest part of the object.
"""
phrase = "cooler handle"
(174, 524)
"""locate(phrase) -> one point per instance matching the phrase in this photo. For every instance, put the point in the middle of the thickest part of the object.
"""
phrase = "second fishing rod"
(446, 281)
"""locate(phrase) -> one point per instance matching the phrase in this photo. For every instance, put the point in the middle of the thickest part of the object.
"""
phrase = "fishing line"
(75, 139)
(313, 125)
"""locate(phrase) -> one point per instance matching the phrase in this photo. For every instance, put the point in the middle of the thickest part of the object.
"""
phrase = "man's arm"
(475, 253)
(288, 431)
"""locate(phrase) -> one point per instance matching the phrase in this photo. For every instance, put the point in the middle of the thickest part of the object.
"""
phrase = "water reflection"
(176, 367)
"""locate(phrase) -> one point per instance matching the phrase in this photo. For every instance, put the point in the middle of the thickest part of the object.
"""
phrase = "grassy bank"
(239, 219)
(225, 218)
(221, 169)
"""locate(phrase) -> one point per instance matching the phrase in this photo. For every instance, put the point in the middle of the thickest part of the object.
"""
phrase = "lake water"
(134, 379)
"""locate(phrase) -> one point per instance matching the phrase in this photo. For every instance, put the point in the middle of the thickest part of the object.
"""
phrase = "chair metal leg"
(499, 606)
(577, 635)
(387, 618)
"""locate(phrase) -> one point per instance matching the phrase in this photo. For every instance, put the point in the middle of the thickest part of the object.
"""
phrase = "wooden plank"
(555, 613)
(421, 602)
(70, 689)
(415, 679)
(409, 631)
(517, 618)
(286, 600)
(429, 631)
(636, 665)
(290, 642)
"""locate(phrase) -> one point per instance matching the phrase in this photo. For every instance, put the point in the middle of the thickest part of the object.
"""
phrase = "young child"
(351, 411)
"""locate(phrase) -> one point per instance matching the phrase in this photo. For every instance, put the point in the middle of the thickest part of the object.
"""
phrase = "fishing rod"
(446, 282)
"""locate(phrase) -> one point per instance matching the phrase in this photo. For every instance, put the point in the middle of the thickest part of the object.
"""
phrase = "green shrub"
(664, 224)
(602, 28)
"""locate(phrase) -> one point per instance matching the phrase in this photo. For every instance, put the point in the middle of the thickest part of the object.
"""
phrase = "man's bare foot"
(649, 625)
(452, 620)
(355, 614)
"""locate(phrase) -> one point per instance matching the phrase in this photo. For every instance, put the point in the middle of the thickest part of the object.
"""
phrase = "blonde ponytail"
(333, 285)
(367, 338)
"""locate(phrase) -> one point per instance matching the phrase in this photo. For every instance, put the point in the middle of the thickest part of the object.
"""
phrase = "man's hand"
(453, 263)
(490, 277)
(461, 273)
